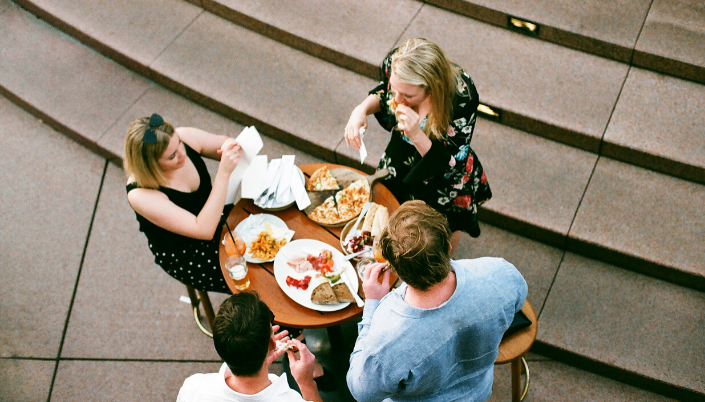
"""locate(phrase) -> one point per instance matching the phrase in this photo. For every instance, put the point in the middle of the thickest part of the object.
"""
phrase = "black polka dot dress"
(190, 261)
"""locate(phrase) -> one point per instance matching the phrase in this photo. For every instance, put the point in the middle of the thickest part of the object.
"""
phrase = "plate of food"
(367, 233)
(314, 275)
(338, 195)
(264, 235)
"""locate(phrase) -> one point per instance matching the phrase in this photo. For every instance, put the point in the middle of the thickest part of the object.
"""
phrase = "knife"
(358, 300)
(272, 183)
(355, 254)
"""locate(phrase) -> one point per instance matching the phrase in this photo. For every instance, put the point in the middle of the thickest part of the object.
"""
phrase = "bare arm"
(201, 141)
(358, 119)
(156, 207)
(302, 371)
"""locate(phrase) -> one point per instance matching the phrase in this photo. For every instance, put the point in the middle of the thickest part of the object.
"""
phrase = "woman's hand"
(230, 155)
(358, 119)
(408, 121)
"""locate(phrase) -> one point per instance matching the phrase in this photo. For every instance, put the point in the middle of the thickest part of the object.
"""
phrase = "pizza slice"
(326, 213)
(322, 180)
(352, 199)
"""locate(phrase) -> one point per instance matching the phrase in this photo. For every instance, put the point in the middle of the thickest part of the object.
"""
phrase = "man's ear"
(272, 343)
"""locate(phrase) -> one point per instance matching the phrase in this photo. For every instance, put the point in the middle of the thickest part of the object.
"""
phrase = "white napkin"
(271, 174)
(299, 191)
(363, 150)
(254, 178)
(285, 181)
(251, 143)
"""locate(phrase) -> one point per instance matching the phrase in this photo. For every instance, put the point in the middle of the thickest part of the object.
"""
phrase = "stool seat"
(517, 344)
(513, 348)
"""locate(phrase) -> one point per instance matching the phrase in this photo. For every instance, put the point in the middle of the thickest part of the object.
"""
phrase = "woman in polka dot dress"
(170, 190)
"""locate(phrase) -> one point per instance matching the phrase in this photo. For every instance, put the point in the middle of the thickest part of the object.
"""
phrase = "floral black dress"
(450, 177)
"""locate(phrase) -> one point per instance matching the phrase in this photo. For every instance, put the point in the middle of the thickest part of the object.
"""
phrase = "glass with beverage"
(378, 253)
(237, 268)
(234, 245)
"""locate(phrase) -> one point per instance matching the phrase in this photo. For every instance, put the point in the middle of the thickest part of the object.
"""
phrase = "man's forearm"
(309, 391)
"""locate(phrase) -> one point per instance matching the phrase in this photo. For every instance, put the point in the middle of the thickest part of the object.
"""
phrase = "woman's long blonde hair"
(141, 158)
(422, 63)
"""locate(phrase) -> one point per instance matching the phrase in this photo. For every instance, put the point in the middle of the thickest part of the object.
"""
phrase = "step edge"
(616, 373)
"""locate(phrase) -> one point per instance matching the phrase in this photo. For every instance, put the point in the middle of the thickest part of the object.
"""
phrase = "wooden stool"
(512, 350)
(207, 308)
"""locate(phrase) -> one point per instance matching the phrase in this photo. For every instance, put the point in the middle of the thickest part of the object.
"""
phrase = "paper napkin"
(254, 178)
(283, 192)
(363, 150)
(299, 191)
(251, 143)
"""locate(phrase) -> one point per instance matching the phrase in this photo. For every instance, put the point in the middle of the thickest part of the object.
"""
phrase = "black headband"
(150, 137)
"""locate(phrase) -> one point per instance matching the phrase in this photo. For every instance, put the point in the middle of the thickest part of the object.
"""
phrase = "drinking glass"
(362, 266)
(237, 268)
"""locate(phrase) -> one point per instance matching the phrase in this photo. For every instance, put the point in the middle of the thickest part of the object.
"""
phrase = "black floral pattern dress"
(450, 177)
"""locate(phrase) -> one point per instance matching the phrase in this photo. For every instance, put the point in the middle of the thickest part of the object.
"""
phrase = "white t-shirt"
(212, 388)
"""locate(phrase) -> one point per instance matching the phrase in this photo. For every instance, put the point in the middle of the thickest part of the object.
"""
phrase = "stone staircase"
(595, 156)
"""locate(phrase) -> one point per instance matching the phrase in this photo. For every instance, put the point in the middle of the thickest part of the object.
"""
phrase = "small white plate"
(303, 247)
(250, 234)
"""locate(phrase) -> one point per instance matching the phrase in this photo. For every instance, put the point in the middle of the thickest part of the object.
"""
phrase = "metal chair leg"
(517, 394)
(207, 307)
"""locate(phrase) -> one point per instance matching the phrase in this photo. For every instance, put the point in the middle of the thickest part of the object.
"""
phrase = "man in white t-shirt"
(244, 337)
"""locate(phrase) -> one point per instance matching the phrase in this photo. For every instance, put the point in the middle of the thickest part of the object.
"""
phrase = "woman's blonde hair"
(422, 63)
(141, 158)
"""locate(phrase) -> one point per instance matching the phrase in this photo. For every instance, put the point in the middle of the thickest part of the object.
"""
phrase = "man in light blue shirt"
(436, 337)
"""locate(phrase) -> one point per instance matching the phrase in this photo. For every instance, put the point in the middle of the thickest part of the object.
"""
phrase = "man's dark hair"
(241, 333)
(416, 242)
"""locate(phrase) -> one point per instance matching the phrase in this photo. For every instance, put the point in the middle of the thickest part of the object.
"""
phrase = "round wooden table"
(286, 311)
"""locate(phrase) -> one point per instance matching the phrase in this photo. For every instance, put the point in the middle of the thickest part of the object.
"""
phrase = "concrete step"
(625, 326)
(548, 95)
(538, 183)
(534, 102)
(660, 35)
(597, 317)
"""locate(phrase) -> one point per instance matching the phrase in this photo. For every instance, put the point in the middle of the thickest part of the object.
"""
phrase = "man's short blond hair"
(416, 243)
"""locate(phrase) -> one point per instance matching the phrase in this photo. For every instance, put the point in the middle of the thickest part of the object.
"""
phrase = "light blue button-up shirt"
(447, 353)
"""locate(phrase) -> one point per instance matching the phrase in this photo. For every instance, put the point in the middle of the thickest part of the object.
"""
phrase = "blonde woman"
(170, 190)
(430, 106)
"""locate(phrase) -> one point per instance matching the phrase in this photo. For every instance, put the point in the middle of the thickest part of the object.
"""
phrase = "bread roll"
(369, 218)
(381, 219)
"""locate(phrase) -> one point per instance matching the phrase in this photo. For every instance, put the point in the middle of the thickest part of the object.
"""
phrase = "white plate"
(273, 221)
(303, 297)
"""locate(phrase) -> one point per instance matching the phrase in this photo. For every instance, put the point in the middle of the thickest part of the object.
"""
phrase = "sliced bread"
(323, 294)
(342, 292)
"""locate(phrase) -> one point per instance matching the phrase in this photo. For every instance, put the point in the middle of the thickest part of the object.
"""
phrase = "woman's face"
(174, 156)
(407, 94)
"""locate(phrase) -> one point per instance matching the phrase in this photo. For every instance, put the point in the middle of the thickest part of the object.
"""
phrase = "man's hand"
(371, 285)
(279, 338)
(301, 368)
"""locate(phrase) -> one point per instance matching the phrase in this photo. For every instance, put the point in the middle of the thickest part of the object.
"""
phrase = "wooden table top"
(286, 311)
